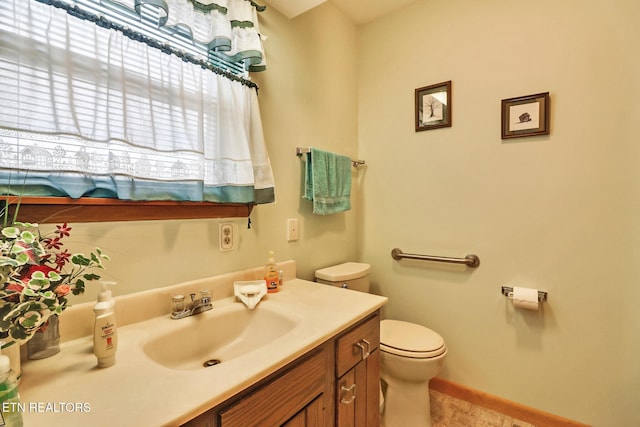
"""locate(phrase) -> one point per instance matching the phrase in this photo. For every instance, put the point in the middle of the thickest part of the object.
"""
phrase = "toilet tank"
(351, 275)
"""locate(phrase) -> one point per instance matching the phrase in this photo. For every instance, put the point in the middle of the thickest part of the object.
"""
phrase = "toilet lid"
(344, 271)
(409, 339)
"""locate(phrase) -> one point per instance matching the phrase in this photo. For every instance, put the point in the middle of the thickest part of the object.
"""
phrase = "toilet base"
(407, 404)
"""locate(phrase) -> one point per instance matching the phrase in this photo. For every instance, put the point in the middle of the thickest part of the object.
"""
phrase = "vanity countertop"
(68, 389)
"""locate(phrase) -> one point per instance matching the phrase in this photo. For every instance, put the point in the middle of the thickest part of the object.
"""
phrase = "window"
(90, 112)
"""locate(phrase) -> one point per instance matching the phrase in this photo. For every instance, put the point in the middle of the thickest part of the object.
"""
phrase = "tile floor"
(447, 411)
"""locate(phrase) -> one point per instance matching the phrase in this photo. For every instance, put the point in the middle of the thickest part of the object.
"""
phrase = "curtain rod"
(103, 22)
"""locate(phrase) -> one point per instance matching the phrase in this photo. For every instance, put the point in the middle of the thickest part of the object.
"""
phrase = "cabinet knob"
(367, 352)
(352, 394)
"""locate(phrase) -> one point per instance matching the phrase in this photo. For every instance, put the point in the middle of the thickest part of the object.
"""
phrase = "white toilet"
(410, 355)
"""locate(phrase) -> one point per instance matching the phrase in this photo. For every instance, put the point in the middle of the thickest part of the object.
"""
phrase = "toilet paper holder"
(507, 291)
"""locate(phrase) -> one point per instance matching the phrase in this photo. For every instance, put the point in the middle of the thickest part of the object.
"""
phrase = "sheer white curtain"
(88, 111)
(229, 27)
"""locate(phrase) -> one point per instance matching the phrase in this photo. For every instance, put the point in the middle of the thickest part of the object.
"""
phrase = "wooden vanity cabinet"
(335, 384)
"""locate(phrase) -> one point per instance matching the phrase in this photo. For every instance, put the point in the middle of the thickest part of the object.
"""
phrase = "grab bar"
(470, 260)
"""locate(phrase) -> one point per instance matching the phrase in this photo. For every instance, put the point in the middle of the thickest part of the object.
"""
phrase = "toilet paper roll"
(526, 298)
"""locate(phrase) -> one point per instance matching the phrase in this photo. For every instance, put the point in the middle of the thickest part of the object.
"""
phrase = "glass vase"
(46, 341)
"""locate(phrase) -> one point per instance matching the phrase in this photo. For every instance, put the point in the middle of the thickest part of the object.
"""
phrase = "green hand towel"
(328, 182)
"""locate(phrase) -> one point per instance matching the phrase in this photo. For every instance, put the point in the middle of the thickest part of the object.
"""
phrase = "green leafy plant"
(37, 275)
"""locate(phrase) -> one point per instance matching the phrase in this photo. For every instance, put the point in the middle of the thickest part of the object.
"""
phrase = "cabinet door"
(347, 393)
(282, 399)
(311, 416)
(372, 411)
(358, 394)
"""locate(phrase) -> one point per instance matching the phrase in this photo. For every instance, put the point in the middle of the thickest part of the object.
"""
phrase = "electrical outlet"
(226, 236)
(292, 229)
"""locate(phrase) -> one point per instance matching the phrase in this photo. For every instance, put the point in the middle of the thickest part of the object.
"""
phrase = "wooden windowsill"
(63, 209)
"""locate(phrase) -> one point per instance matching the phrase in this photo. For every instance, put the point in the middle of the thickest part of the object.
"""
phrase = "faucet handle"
(178, 308)
(177, 303)
(205, 296)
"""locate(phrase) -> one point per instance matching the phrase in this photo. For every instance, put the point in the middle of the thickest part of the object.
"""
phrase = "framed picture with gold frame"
(433, 106)
(525, 116)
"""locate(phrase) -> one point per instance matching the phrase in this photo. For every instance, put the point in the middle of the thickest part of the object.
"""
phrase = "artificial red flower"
(63, 230)
(62, 258)
(54, 243)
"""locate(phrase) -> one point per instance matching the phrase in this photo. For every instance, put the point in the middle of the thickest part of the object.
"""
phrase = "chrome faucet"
(180, 311)
(201, 304)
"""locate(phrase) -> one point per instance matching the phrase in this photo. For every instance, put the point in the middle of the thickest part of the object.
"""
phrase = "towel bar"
(300, 151)
(470, 260)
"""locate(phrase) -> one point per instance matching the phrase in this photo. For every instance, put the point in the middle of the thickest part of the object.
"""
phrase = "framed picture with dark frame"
(433, 106)
(525, 116)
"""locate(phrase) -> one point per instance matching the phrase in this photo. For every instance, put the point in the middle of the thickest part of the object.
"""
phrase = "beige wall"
(558, 213)
(303, 103)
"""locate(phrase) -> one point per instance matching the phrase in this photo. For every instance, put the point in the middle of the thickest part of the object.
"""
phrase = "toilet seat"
(410, 340)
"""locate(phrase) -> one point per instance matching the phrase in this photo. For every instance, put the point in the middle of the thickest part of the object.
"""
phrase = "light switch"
(292, 229)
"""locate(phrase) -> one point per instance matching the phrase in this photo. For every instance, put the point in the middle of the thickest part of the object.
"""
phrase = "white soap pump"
(105, 336)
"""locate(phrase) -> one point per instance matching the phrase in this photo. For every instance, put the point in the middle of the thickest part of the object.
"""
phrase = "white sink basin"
(216, 336)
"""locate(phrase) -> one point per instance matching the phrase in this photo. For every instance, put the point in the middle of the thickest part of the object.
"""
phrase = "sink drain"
(211, 362)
